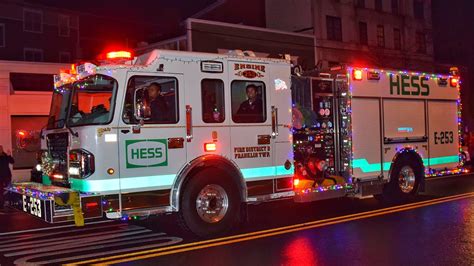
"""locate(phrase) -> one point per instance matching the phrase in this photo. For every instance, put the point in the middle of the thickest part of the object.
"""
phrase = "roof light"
(357, 74)
(119, 55)
(211, 146)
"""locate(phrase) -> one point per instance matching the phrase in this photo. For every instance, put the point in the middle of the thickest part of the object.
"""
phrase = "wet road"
(439, 229)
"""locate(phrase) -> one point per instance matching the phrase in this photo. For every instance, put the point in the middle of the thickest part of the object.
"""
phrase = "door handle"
(189, 123)
(274, 122)
(125, 131)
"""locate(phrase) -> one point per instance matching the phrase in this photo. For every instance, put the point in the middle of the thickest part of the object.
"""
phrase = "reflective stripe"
(164, 181)
(367, 167)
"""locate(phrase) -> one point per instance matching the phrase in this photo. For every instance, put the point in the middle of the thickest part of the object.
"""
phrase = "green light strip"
(367, 167)
(164, 181)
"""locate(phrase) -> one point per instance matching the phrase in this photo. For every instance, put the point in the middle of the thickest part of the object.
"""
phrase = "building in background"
(25, 99)
(30, 32)
(219, 37)
(454, 45)
(376, 33)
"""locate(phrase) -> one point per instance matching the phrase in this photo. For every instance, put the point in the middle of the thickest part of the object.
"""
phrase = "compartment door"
(366, 138)
(443, 136)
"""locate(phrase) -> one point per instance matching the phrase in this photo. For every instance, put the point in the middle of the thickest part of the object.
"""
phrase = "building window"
(212, 99)
(26, 140)
(380, 36)
(2, 35)
(63, 25)
(32, 20)
(363, 36)
(248, 102)
(397, 39)
(64, 57)
(395, 7)
(32, 54)
(360, 3)
(334, 28)
(31, 81)
(418, 9)
(420, 42)
(378, 5)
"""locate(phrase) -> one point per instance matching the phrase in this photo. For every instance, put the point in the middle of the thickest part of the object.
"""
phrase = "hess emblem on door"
(146, 153)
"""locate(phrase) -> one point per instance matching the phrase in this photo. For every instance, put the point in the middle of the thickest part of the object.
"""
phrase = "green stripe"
(367, 167)
(164, 181)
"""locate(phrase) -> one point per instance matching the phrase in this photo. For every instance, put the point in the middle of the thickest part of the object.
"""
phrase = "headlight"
(81, 164)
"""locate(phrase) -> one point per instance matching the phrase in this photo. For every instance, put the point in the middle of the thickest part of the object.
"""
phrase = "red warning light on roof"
(119, 55)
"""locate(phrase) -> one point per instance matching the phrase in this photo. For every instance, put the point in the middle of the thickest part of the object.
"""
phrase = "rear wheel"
(210, 204)
(405, 179)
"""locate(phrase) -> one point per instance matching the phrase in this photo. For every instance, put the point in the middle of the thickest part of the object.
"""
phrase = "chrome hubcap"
(212, 203)
(406, 179)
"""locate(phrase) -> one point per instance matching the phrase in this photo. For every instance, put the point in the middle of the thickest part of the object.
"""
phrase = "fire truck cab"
(194, 133)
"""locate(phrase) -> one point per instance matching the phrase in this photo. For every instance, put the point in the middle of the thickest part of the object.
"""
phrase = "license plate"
(33, 206)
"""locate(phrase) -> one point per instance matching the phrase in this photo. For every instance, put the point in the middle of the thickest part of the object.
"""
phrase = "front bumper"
(53, 204)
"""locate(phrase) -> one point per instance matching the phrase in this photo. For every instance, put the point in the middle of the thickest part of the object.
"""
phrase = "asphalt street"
(438, 229)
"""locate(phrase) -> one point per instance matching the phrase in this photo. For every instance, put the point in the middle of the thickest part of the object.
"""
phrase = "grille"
(57, 147)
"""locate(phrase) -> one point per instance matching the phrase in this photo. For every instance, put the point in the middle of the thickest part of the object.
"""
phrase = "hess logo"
(409, 85)
(146, 153)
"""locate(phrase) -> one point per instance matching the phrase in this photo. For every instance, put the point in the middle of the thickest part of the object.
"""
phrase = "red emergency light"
(211, 146)
(296, 182)
(119, 55)
(454, 81)
(357, 74)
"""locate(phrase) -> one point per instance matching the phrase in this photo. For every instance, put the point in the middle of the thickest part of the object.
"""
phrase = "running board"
(134, 214)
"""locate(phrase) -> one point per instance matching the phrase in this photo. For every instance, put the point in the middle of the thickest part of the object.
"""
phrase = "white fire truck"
(204, 135)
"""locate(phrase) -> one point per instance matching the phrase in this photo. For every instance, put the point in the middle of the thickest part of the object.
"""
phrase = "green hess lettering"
(147, 153)
(409, 85)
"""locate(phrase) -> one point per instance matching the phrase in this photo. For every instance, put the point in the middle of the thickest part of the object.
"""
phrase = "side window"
(151, 99)
(212, 99)
(248, 102)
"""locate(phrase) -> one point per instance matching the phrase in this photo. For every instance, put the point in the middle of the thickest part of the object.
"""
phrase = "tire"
(210, 204)
(405, 178)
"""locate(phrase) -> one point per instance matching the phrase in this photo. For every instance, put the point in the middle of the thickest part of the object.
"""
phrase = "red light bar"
(119, 55)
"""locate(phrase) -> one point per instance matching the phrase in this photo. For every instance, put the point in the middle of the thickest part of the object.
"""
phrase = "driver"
(159, 107)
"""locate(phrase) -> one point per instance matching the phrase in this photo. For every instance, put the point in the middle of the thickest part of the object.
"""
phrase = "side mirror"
(141, 105)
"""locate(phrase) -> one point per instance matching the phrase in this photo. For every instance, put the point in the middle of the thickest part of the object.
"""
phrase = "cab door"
(152, 149)
(252, 143)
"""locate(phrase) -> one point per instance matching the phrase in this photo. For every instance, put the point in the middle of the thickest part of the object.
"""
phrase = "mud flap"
(72, 199)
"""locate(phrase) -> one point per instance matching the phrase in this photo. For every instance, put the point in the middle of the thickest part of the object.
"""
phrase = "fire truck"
(205, 135)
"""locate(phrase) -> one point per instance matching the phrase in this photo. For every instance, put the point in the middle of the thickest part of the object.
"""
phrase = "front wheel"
(210, 204)
(405, 179)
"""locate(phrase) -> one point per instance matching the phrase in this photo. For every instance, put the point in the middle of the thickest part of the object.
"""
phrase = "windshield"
(59, 107)
(92, 101)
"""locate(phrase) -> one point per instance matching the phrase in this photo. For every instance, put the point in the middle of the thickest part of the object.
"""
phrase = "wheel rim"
(406, 179)
(212, 203)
